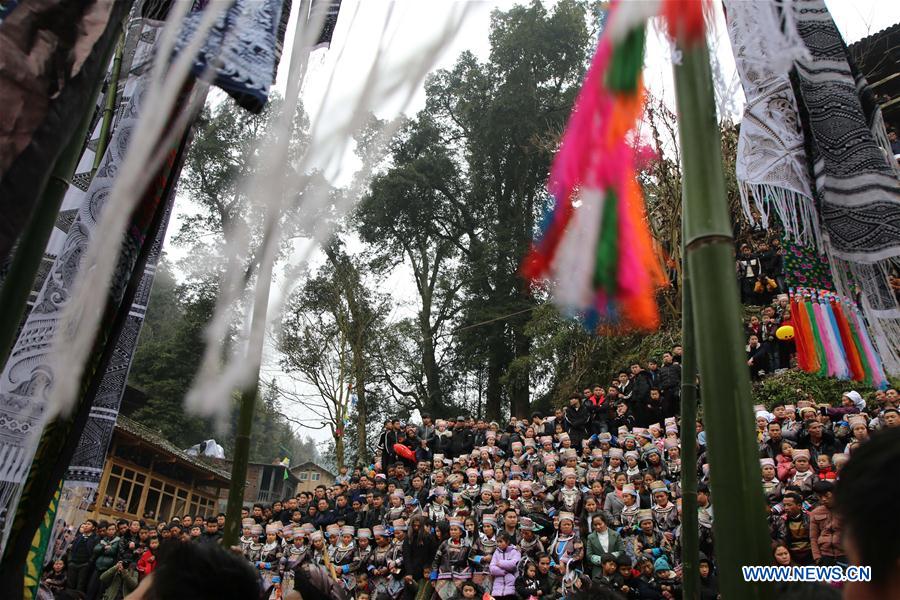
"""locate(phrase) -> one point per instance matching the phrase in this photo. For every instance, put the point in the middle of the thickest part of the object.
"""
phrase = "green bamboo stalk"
(30, 251)
(690, 539)
(109, 107)
(255, 349)
(740, 530)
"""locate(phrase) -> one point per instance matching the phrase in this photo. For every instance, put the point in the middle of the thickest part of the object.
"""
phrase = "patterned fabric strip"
(28, 367)
(242, 49)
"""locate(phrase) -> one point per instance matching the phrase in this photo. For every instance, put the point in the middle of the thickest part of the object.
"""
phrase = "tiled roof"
(152, 438)
(308, 464)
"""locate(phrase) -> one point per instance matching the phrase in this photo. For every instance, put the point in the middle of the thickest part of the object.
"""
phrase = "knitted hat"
(616, 453)
(546, 439)
(316, 536)
(766, 462)
(489, 520)
(662, 564)
(364, 533)
(629, 489)
(247, 523)
(566, 516)
(632, 454)
(604, 437)
(669, 444)
(526, 524)
(379, 530)
(256, 530)
(456, 523)
(645, 514)
(399, 525)
(596, 454)
(273, 528)
(287, 532)
(800, 453)
(348, 530)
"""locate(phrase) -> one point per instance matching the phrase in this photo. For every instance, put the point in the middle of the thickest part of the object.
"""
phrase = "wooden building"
(145, 476)
(266, 483)
(878, 57)
(310, 475)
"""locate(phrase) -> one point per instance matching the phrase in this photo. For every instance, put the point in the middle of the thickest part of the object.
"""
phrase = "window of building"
(315, 476)
(304, 476)
(123, 490)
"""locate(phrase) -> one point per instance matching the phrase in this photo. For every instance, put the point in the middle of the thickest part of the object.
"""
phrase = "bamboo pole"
(740, 530)
(690, 542)
(27, 258)
(109, 107)
(255, 346)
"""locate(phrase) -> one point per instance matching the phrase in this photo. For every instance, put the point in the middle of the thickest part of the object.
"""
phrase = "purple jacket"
(504, 568)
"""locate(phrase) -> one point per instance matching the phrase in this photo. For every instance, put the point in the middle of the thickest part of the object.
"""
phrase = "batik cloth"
(242, 49)
(856, 186)
(29, 365)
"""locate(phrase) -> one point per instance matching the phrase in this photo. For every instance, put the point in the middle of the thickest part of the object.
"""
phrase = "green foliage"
(793, 385)
(167, 357)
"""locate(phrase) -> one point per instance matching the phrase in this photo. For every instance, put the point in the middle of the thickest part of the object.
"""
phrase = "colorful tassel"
(594, 245)
(832, 339)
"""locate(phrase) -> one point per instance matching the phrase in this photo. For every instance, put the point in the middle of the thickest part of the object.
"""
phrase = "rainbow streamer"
(594, 245)
(832, 339)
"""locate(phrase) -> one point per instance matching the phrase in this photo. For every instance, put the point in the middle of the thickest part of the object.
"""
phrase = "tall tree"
(503, 118)
(329, 329)
(402, 218)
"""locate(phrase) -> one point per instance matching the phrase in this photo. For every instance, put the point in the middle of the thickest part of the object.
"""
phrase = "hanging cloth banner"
(29, 365)
(856, 181)
(242, 49)
(831, 340)
(330, 22)
(771, 160)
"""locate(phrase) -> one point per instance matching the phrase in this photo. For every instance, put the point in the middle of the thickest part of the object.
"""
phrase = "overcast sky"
(408, 25)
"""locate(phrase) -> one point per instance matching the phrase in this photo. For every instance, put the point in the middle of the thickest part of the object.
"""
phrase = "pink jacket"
(504, 568)
(784, 467)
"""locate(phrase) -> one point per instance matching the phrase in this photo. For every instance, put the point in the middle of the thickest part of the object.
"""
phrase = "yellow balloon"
(785, 332)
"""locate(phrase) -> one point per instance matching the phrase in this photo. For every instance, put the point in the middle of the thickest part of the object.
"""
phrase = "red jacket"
(146, 564)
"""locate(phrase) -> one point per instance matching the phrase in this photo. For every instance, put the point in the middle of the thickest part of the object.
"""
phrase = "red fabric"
(146, 564)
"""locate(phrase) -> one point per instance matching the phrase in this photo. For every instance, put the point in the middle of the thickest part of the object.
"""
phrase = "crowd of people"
(760, 271)
(766, 353)
(584, 502)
